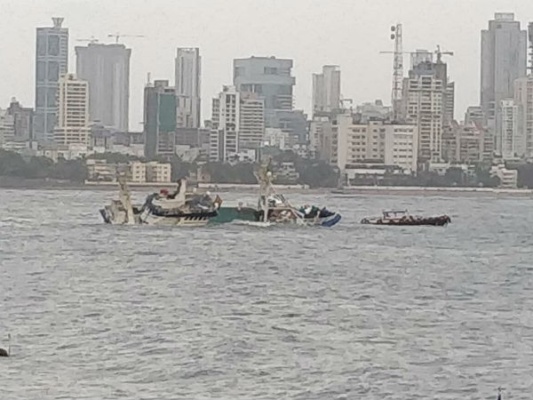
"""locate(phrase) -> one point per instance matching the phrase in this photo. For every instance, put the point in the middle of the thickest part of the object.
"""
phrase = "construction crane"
(440, 53)
(117, 36)
(91, 40)
(397, 71)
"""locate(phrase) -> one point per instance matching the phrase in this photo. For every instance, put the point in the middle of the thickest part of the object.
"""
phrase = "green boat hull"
(230, 214)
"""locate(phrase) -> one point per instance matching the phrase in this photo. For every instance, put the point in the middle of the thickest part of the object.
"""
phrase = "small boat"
(171, 209)
(403, 218)
(273, 208)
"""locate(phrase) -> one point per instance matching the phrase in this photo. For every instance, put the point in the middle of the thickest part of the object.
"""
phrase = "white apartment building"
(327, 89)
(138, 172)
(524, 98)
(374, 142)
(224, 138)
(401, 146)
(252, 121)
(424, 97)
(73, 111)
(157, 172)
(510, 140)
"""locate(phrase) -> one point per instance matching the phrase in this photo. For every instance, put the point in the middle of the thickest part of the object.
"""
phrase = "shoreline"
(23, 184)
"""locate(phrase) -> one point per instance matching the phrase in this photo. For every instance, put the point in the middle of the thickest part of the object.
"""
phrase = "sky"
(348, 33)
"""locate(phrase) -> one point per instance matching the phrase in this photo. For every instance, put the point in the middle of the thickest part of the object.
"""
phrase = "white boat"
(176, 209)
(275, 208)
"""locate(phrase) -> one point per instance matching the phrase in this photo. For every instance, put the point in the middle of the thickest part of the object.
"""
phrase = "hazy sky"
(349, 33)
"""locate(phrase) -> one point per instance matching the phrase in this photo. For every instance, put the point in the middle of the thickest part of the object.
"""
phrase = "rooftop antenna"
(58, 22)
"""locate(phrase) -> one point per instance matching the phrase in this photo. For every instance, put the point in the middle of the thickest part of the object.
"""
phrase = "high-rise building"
(523, 98)
(51, 64)
(327, 89)
(107, 69)
(159, 119)
(252, 121)
(467, 143)
(224, 139)
(268, 77)
(188, 80)
(73, 111)
(22, 121)
(424, 102)
(503, 60)
(510, 142)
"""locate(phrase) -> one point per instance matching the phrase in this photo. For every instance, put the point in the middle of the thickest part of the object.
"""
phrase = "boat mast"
(264, 177)
(125, 199)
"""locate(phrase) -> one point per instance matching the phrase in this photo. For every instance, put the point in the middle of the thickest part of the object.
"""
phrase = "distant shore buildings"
(76, 115)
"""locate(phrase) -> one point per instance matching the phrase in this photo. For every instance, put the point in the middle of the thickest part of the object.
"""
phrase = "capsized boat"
(274, 208)
(403, 218)
(172, 209)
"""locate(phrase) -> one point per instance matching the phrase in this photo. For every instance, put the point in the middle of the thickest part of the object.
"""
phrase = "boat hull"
(230, 214)
(431, 221)
(114, 216)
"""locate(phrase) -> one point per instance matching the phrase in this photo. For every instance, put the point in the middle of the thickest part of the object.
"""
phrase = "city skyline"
(366, 73)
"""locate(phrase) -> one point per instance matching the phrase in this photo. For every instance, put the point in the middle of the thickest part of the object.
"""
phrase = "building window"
(53, 45)
(53, 71)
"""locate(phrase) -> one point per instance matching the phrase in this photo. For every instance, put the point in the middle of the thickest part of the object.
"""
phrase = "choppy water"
(354, 312)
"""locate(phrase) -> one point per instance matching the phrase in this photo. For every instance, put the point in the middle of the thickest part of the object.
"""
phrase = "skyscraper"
(252, 121)
(523, 97)
(73, 111)
(327, 89)
(503, 60)
(428, 102)
(268, 77)
(159, 119)
(511, 142)
(51, 64)
(226, 119)
(188, 81)
(424, 101)
(107, 69)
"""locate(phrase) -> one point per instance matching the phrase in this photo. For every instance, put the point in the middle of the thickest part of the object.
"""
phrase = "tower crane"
(91, 40)
(117, 36)
(440, 53)
(397, 71)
